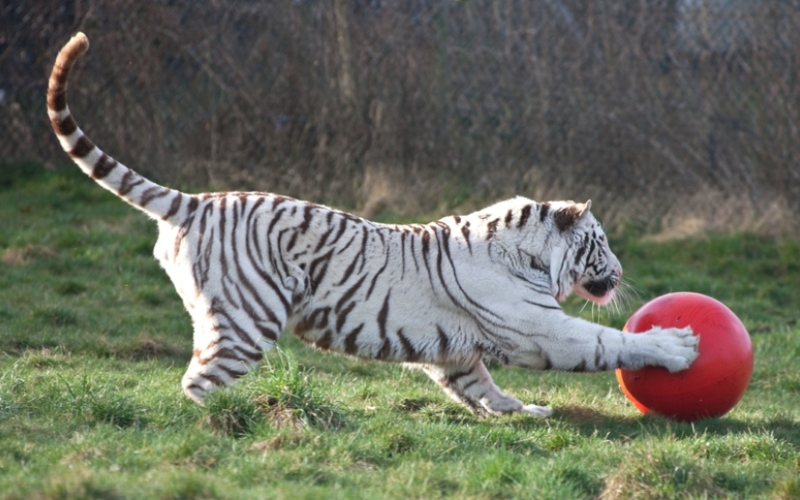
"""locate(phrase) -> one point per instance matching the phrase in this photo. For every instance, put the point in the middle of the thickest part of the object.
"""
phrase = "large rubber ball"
(717, 379)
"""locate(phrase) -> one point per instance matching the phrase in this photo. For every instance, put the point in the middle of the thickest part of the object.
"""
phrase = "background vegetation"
(667, 113)
(94, 341)
(677, 117)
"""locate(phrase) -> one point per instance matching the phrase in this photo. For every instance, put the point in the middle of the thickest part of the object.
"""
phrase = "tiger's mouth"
(599, 291)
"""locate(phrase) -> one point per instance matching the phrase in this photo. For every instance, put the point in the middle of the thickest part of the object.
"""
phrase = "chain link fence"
(660, 111)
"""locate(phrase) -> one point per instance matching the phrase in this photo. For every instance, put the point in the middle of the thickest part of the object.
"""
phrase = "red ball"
(717, 379)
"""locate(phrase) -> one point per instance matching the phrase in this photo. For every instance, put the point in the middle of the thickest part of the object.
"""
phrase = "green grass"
(94, 341)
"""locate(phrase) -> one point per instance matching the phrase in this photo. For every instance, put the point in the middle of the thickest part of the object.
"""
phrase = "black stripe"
(221, 223)
(509, 217)
(221, 353)
(444, 342)
(82, 148)
(452, 378)
(383, 315)
(57, 97)
(240, 332)
(212, 378)
(324, 238)
(230, 372)
(174, 206)
(548, 364)
(469, 384)
(306, 218)
(580, 367)
(543, 306)
(364, 240)
(341, 317)
(411, 353)
(208, 210)
(349, 294)
(287, 307)
(403, 235)
(347, 245)
(245, 281)
(465, 232)
(426, 238)
(252, 356)
(64, 126)
(126, 186)
(104, 165)
(194, 386)
(253, 238)
(351, 341)
(599, 352)
(325, 341)
(318, 268)
(377, 275)
(152, 193)
(277, 215)
(292, 241)
(184, 227)
(544, 208)
(526, 213)
(385, 350)
(492, 229)
(414, 253)
(228, 296)
(445, 249)
(347, 272)
(342, 228)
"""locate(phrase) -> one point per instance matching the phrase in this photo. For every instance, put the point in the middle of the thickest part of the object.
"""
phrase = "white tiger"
(437, 296)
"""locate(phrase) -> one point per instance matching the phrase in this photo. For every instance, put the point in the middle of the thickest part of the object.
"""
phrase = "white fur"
(439, 297)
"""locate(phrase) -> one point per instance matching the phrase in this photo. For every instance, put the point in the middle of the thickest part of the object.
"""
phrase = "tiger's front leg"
(473, 387)
(573, 344)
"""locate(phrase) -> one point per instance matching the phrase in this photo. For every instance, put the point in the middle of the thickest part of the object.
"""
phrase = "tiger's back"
(437, 296)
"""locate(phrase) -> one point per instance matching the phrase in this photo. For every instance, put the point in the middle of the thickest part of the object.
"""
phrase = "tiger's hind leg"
(473, 387)
(226, 349)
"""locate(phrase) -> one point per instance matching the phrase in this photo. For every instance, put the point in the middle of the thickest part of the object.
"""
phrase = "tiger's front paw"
(677, 346)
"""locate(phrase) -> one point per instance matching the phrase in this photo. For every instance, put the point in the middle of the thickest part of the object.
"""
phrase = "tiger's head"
(587, 266)
(557, 242)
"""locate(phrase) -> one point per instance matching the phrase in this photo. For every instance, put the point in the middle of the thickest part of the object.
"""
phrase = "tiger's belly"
(377, 334)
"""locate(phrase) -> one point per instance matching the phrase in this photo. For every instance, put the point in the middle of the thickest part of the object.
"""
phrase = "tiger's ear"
(566, 217)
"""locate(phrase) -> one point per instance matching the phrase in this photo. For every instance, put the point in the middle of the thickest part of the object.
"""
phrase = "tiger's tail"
(157, 201)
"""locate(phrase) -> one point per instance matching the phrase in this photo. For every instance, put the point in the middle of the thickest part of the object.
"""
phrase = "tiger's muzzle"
(600, 291)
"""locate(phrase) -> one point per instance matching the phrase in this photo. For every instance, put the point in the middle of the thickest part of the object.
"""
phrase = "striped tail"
(156, 201)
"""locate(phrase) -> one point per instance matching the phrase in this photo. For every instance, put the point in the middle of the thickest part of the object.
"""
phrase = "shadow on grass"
(589, 422)
(142, 348)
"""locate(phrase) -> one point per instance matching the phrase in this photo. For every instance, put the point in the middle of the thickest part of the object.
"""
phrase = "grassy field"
(94, 341)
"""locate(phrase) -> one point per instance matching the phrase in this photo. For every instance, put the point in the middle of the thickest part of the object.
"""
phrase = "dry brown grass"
(18, 256)
(429, 107)
(716, 212)
(647, 475)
